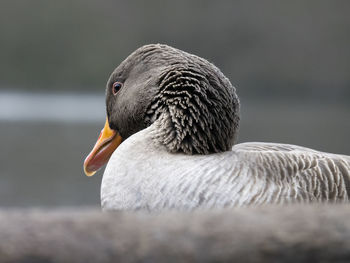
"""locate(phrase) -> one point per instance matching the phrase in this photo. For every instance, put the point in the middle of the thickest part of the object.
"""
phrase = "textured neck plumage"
(197, 110)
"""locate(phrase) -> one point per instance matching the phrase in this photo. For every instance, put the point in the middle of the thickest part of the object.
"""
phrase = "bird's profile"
(169, 140)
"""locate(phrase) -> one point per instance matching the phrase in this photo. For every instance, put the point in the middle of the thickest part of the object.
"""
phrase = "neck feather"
(196, 113)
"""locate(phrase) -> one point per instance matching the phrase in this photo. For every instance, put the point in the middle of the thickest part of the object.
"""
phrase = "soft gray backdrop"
(290, 62)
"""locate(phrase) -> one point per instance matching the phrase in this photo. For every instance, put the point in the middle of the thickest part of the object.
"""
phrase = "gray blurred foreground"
(270, 234)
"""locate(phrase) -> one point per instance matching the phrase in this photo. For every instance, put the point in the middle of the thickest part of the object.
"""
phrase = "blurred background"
(289, 60)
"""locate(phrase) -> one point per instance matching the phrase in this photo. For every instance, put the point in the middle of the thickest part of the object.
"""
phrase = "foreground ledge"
(269, 234)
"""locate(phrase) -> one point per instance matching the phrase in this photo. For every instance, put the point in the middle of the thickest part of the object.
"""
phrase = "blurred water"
(72, 108)
(45, 138)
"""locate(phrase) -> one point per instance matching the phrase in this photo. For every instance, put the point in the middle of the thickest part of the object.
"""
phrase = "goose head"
(193, 105)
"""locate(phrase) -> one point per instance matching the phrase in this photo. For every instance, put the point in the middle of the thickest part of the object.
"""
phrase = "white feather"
(143, 175)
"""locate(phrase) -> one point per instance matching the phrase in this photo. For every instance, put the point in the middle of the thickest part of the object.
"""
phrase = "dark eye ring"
(116, 87)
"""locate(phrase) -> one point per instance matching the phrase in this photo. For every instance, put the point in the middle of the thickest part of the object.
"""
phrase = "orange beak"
(106, 144)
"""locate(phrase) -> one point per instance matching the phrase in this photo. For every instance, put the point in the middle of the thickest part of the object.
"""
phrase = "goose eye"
(116, 87)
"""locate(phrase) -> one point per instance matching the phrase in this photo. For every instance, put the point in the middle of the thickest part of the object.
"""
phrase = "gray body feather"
(142, 174)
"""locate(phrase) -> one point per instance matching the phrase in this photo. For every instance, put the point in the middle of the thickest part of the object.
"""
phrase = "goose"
(170, 143)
